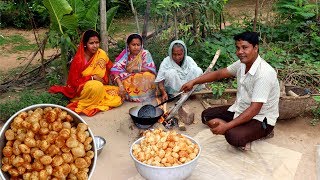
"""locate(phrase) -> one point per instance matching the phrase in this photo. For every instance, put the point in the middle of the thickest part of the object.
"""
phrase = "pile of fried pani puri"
(164, 149)
(47, 144)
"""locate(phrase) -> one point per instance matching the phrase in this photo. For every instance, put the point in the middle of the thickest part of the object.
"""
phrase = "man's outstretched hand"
(187, 86)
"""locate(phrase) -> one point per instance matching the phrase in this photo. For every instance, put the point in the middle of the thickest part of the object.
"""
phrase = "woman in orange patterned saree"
(134, 71)
(88, 78)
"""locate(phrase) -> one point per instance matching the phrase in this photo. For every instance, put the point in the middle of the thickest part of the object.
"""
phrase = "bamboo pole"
(202, 92)
(185, 96)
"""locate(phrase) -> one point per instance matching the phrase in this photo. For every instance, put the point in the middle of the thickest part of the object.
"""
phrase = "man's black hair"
(251, 37)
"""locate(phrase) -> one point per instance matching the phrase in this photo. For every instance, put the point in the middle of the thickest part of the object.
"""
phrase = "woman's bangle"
(116, 78)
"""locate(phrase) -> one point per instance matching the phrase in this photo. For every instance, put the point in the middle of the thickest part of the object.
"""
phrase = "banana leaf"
(78, 7)
(92, 14)
(61, 14)
(110, 15)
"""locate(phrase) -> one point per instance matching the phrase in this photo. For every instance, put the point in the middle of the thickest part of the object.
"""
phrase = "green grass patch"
(18, 43)
(14, 39)
(24, 47)
(28, 98)
(2, 40)
(124, 26)
(2, 75)
(18, 39)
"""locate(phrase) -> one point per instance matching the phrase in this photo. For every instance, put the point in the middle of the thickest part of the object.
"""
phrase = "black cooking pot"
(145, 121)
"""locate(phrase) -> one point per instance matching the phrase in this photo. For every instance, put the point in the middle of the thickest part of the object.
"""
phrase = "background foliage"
(17, 13)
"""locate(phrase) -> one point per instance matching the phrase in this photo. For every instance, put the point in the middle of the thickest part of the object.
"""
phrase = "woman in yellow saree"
(88, 78)
(134, 71)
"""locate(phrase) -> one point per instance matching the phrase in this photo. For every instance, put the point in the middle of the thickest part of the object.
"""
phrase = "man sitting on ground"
(256, 109)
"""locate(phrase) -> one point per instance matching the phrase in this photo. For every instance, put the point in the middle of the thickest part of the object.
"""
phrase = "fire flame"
(164, 108)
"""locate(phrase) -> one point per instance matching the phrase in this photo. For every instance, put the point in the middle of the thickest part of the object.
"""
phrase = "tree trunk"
(146, 19)
(317, 11)
(256, 16)
(175, 25)
(103, 25)
(223, 20)
(194, 22)
(220, 21)
(135, 15)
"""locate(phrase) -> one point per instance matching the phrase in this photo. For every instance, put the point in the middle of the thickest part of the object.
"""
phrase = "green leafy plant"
(17, 14)
(159, 48)
(28, 98)
(222, 40)
(53, 78)
(218, 89)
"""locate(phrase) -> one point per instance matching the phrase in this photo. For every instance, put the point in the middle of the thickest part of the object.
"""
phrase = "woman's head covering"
(168, 64)
(134, 36)
(84, 39)
(184, 49)
(129, 39)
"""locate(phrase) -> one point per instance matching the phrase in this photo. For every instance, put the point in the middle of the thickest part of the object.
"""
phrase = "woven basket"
(291, 107)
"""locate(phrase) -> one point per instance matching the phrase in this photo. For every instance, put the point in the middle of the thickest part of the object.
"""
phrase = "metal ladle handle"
(170, 99)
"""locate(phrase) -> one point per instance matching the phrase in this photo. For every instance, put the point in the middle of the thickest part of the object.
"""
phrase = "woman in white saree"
(176, 69)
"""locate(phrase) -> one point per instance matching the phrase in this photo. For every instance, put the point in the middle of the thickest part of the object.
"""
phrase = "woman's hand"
(122, 92)
(162, 90)
(164, 96)
(134, 70)
(95, 77)
(187, 86)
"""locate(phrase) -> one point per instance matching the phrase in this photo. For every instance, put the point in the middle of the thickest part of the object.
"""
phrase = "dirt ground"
(8, 60)
(117, 127)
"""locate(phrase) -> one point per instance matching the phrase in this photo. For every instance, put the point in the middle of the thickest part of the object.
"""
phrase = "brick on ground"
(185, 114)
